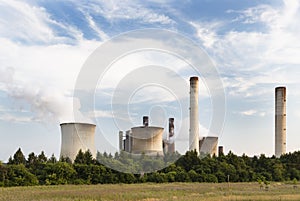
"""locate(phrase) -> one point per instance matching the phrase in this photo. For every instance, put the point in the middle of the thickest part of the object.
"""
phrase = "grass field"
(154, 192)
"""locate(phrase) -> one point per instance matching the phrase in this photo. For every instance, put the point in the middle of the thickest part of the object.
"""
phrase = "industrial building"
(194, 115)
(76, 136)
(208, 145)
(221, 151)
(149, 139)
(169, 142)
(280, 121)
(143, 139)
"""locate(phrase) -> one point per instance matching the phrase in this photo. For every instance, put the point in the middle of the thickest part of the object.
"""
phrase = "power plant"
(194, 115)
(280, 121)
(208, 145)
(169, 143)
(149, 140)
(76, 136)
(143, 139)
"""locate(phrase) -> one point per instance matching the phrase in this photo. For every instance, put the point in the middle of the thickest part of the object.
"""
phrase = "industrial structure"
(169, 142)
(221, 151)
(280, 121)
(194, 115)
(208, 145)
(76, 136)
(143, 139)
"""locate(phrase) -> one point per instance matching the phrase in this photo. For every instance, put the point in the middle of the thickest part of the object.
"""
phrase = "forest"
(41, 170)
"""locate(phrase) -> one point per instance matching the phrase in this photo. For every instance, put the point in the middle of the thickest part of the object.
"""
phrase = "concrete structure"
(221, 151)
(208, 145)
(165, 146)
(121, 143)
(76, 136)
(147, 139)
(171, 140)
(143, 139)
(128, 142)
(169, 143)
(145, 121)
(280, 121)
(194, 115)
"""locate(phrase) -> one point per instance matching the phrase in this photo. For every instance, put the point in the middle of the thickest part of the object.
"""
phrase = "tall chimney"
(171, 142)
(221, 151)
(171, 127)
(121, 140)
(194, 115)
(145, 121)
(280, 121)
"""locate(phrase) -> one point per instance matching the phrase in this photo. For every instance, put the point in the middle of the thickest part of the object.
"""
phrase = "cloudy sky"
(254, 45)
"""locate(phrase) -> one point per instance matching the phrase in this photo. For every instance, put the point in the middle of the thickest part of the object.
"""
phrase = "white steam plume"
(47, 104)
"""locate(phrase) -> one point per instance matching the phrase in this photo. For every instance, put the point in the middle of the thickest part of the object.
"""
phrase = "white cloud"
(128, 10)
(27, 23)
(252, 112)
(102, 35)
(16, 118)
(206, 32)
(43, 77)
(249, 112)
(251, 61)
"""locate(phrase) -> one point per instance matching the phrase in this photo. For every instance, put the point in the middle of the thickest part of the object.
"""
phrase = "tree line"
(40, 170)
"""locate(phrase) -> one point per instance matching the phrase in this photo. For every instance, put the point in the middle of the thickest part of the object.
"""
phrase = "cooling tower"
(194, 115)
(280, 121)
(209, 145)
(147, 140)
(76, 136)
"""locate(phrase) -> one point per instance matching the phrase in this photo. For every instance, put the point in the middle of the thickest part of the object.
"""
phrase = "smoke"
(46, 103)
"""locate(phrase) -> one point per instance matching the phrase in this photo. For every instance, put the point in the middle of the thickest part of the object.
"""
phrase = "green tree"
(60, 173)
(189, 160)
(32, 160)
(18, 175)
(52, 159)
(3, 174)
(80, 159)
(88, 157)
(42, 157)
(193, 175)
(18, 158)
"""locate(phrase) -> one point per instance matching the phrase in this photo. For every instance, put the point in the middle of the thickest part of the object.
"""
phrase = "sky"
(44, 45)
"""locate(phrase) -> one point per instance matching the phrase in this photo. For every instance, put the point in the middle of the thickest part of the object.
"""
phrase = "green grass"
(153, 192)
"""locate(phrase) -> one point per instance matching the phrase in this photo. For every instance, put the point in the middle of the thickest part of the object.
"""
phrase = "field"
(154, 192)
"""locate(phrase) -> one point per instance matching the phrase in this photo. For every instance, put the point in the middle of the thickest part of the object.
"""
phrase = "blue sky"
(44, 44)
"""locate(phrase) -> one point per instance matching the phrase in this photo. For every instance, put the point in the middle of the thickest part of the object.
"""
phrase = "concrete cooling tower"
(143, 139)
(76, 136)
(147, 140)
(280, 121)
(209, 145)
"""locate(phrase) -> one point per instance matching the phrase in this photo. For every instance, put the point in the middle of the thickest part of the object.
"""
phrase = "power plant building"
(144, 139)
(280, 121)
(208, 145)
(128, 141)
(76, 136)
(194, 115)
(169, 143)
(220, 150)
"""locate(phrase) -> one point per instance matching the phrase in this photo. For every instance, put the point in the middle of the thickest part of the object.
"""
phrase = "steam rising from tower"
(194, 115)
(280, 121)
